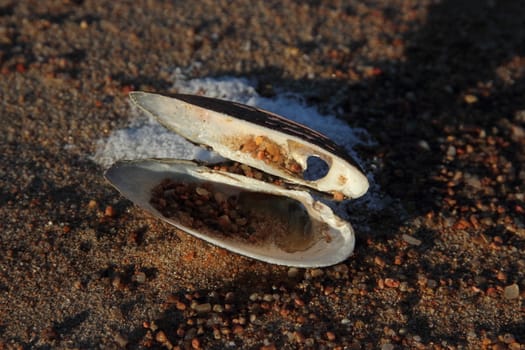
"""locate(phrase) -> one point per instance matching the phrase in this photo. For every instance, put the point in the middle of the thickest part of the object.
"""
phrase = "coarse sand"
(438, 85)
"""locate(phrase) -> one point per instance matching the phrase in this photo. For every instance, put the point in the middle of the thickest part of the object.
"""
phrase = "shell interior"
(244, 215)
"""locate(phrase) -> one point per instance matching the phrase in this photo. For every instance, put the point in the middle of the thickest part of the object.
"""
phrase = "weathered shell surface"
(235, 131)
(322, 239)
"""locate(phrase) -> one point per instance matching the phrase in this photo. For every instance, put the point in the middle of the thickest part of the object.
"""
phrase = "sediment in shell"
(239, 213)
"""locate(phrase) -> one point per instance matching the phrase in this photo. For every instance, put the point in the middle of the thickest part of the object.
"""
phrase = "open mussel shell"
(241, 214)
(257, 138)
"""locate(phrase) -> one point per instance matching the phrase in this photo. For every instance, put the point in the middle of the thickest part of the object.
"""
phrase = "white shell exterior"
(136, 179)
(222, 125)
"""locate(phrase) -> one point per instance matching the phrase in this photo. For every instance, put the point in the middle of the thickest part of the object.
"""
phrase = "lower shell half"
(244, 215)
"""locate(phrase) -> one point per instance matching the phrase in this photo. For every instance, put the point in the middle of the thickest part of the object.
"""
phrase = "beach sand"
(440, 87)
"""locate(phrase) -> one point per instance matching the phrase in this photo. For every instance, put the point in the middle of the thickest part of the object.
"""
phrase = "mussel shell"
(231, 129)
(330, 241)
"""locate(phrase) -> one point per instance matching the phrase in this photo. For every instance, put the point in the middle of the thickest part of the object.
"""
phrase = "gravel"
(439, 85)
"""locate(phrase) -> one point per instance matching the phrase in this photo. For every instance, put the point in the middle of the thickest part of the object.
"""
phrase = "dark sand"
(440, 86)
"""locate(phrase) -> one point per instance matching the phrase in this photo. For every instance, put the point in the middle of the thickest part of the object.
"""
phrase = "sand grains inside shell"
(235, 214)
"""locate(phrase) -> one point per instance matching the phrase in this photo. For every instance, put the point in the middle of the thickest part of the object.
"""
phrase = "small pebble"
(238, 329)
(338, 196)
(387, 346)
(268, 297)
(299, 302)
(230, 296)
(391, 283)
(216, 334)
(502, 276)
(293, 272)
(451, 151)
(140, 277)
(202, 308)
(330, 336)
(514, 346)
(219, 197)
(109, 212)
(411, 240)
(316, 273)
(424, 145)
(117, 283)
(202, 192)
(379, 261)
(161, 337)
(77, 284)
(299, 337)
(470, 99)
(512, 291)
(120, 340)
(309, 342)
(180, 305)
(92, 204)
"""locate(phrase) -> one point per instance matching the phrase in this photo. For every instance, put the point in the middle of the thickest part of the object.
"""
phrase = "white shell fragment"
(235, 131)
(295, 230)
(256, 203)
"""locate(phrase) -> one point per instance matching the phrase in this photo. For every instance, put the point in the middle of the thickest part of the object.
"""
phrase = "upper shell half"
(255, 137)
(245, 211)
